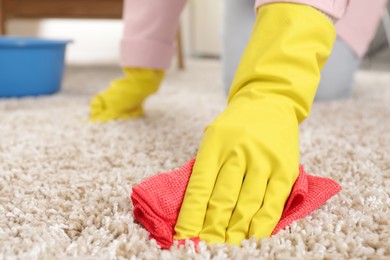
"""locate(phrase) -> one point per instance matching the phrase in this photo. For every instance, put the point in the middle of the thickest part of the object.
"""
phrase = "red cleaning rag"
(157, 200)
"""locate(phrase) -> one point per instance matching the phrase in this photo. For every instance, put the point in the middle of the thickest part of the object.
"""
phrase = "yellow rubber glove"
(124, 98)
(248, 160)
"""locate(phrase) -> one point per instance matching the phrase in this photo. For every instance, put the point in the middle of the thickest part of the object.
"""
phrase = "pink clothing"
(358, 26)
(151, 26)
(334, 8)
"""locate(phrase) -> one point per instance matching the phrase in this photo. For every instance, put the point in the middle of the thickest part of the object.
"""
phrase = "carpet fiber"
(65, 184)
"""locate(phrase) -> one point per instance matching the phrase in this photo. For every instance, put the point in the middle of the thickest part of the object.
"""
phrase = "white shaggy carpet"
(65, 184)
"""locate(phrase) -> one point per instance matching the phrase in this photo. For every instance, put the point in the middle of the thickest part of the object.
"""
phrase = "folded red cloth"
(157, 200)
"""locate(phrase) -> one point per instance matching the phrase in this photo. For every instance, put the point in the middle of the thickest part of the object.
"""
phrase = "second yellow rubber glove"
(248, 160)
(124, 98)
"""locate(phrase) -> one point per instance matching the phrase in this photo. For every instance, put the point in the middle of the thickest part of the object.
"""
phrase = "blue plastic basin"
(30, 66)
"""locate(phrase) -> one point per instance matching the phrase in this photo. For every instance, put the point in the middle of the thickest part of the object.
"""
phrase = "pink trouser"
(151, 26)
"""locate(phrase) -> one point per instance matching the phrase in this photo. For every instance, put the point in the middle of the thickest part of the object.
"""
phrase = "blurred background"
(96, 41)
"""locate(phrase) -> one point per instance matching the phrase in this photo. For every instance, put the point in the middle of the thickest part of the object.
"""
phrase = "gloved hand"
(248, 160)
(124, 98)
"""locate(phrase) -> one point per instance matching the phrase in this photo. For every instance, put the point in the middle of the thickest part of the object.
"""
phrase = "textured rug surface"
(65, 184)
